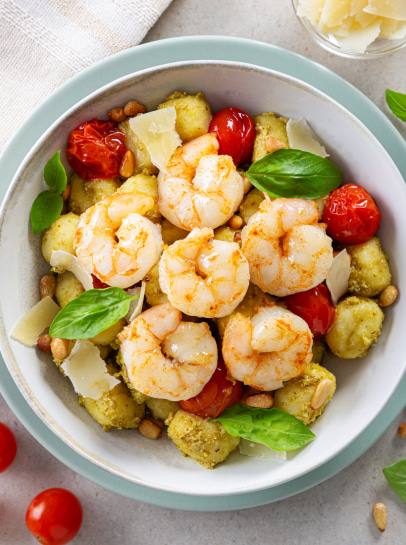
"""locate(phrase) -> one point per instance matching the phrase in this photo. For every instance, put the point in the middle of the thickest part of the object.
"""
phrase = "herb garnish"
(396, 477)
(397, 103)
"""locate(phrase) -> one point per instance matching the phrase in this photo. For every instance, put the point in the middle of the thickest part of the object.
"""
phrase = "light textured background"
(335, 512)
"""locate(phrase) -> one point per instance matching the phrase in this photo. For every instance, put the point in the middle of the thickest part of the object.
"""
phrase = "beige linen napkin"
(45, 42)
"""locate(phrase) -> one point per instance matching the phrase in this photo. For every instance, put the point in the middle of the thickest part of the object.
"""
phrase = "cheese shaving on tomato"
(338, 276)
(299, 137)
(136, 305)
(66, 261)
(87, 371)
(257, 450)
(29, 328)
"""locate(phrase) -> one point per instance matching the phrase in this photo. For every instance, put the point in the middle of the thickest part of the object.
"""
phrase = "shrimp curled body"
(166, 358)
(286, 250)
(204, 277)
(273, 346)
(199, 188)
(115, 242)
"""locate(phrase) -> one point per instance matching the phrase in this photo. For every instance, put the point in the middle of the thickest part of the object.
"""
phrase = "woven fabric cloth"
(45, 42)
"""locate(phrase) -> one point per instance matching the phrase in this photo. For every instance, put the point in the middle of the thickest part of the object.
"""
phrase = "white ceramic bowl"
(364, 385)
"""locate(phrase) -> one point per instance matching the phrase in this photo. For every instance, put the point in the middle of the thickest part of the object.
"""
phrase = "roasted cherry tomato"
(218, 394)
(351, 214)
(54, 516)
(315, 307)
(95, 149)
(235, 131)
(8, 447)
(98, 284)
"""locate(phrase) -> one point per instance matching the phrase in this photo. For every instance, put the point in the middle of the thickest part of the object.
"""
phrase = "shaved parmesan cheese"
(87, 371)
(299, 137)
(66, 261)
(136, 305)
(248, 448)
(311, 9)
(157, 132)
(360, 38)
(29, 328)
(334, 12)
(338, 276)
(395, 9)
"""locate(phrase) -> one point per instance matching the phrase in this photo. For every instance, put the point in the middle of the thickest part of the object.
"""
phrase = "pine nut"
(388, 296)
(149, 429)
(44, 343)
(117, 115)
(60, 348)
(402, 431)
(127, 165)
(47, 285)
(66, 192)
(380, 515)
(321, 393)
(235, 222)
(260, 401)
(134, 108)
(273, 144)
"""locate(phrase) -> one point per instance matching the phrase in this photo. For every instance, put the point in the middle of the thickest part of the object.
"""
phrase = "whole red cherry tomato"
(235, 131)
(218, 394)
(54, 516)
(95, 149)
(315, 307)
(351, 214)
(8, 447)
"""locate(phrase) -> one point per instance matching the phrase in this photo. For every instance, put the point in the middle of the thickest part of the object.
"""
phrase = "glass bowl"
(378, 48)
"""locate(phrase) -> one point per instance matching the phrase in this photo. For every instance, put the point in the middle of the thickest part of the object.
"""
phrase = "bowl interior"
(363, 385)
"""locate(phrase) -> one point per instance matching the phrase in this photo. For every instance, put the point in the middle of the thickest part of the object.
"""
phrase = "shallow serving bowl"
(364, 385)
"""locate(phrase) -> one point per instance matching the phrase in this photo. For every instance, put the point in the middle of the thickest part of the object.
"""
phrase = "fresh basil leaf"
(274, 428)
(46, 208)
(396, 477)
(91, 313)
(294, 173)
(54, 173)
(397, 103)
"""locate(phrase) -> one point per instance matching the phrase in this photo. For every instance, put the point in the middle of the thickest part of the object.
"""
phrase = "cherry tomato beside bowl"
(95, 149)
(218, 394)
(351, 214)
(315, 307)
(8, 447)
(235, 131)
(54, 516)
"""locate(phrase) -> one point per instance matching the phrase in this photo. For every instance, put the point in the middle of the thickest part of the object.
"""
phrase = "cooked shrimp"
(166, 358)
(204, 277)
(199, 187)
(115, 242)
(286, 250)
(273, 346)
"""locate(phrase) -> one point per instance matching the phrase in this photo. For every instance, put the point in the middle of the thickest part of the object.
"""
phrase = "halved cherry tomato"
(235, 131)
(351, 214)
(315, 307)
(218, 394)
(8, 447)
(54, 516)
(95, 149)
(98, 284)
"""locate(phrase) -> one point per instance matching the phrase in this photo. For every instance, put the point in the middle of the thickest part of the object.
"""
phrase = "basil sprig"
(397, 103)
(47, 207)
(294, 173)
(91, 313)
(396, 476)
(274, 428)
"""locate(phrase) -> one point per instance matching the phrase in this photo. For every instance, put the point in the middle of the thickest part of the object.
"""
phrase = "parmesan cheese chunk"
(394, 9)
(338, 276)
(66, 261)
(360, 38)
(87, 371)
(249, 448)
(136, 305)
(157, 132)
(299, 137)
(29, 328)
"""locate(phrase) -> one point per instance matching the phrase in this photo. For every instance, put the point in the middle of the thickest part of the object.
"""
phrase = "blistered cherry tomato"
(351, 214)
(8, 447)
(98, 284)
(218, 394)
(315, 307)
(54, 516)
(95, 149)
(235, 131)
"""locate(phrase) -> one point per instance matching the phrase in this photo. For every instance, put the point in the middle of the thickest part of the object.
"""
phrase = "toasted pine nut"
(321, 393)
(117, 114)
(156, 421)
(66, 192)
(60, 348)
(380, 515)
(260, 401)
(44, 343)
(127, 165)
(402, 431)
(388, 296)
(235, 222)
(47, 285)
(149, 429)
(323, 226)
(273, 144)
(133, 108)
